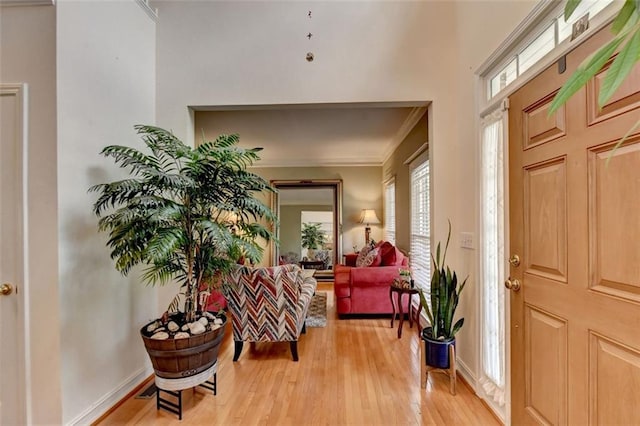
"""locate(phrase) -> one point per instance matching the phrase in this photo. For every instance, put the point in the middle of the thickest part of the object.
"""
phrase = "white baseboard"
(105, 403)
(466, 373)
(472, 380)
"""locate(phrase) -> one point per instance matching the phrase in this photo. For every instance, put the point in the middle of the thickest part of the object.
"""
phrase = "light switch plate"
(466, 240)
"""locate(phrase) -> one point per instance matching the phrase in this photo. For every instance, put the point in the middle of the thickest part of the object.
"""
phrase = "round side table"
(399, 291)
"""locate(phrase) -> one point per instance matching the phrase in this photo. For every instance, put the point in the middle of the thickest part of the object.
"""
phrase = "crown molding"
(409, 123)
(294, 162)
(317, 105)
(151, 12)
(417, 153)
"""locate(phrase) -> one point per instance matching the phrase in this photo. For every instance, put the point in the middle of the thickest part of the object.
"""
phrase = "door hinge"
(505, 104)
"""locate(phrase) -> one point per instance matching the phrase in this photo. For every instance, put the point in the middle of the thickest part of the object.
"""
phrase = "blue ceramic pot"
(436, 351)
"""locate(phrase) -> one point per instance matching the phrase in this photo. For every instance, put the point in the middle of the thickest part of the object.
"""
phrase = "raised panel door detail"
(625, 99)
(575, 223)
(546, 366)
(538, 127)
(614, 219)
(545, 219)
(614, 376)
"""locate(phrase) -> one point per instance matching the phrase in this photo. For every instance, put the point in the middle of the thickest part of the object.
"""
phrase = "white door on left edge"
(12, 117)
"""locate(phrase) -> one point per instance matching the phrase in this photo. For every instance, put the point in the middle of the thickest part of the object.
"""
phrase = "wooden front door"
(575, 225)
(12, 333)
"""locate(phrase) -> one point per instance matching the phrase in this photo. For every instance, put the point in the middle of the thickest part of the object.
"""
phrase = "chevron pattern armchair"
(268, 304)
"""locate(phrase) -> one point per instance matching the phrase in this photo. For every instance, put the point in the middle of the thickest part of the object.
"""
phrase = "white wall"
(243, 53)
(29, 56)
(253, 52)
(106, 84)
(481, 27)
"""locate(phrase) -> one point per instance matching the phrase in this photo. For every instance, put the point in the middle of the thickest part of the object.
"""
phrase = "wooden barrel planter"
(178, 358)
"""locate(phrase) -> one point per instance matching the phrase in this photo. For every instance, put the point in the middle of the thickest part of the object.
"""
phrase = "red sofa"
(365, 290)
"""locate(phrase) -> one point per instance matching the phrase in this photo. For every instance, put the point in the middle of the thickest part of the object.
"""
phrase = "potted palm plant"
(187, 215)
(312, 238)
(441, 308)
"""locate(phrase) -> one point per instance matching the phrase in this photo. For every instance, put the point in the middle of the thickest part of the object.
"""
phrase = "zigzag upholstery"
(268, 304)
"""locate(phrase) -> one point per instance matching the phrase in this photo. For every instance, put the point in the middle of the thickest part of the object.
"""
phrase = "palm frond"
(248, 249)
(255, 230)
(164, 243)
(216, 233)
(162, 142)
(126, 157)
(174, 306)
(114, 193)
(162, 273)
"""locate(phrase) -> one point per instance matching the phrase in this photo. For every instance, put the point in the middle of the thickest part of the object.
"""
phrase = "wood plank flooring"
(351, 372)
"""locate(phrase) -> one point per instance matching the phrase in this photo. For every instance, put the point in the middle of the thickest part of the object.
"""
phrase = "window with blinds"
(420, 222)
(390, 212)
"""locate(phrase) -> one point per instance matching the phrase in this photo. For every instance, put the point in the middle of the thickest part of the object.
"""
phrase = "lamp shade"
(369, 216)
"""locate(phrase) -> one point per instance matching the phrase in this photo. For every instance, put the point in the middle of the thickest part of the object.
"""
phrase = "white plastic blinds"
(390, 212)
(492, 376)
(420, 223)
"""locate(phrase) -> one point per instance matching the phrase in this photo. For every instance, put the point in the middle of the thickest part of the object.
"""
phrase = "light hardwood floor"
(351, 372)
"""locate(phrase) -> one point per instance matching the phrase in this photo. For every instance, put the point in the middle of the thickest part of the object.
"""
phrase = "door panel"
(540, 127)
(546, 366)
(574, 221)
(613, 366)
(615, 192)
(625, 99)
(545, 219)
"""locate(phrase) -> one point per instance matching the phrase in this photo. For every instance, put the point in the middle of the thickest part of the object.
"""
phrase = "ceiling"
(315, 135)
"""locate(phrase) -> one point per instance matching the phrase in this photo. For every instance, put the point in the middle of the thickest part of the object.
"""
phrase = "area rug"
(317, 314)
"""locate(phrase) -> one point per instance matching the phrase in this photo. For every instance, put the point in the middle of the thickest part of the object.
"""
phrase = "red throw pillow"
(399, 257)
(388, 254)
(391, 255)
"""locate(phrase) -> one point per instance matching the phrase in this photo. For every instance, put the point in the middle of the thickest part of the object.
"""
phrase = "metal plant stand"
(208, 379)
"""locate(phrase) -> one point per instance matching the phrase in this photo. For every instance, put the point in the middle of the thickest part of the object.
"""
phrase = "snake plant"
(444, 297)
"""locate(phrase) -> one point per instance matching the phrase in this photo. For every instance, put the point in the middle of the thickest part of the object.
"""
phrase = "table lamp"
(368, 217)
